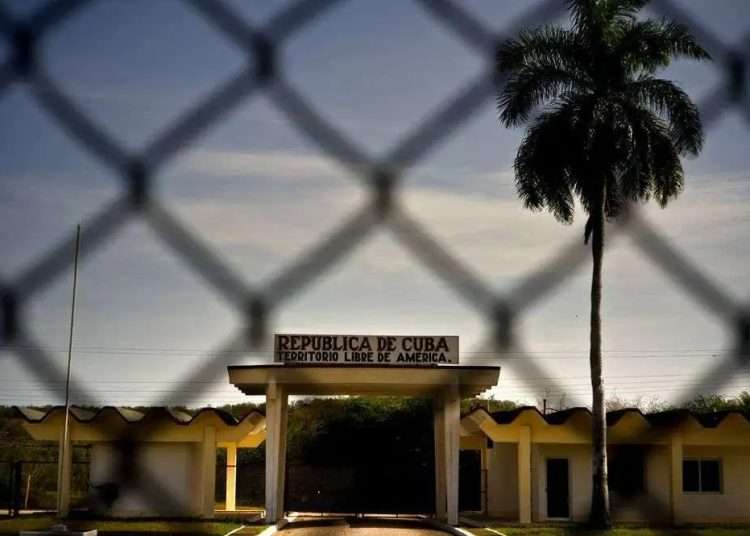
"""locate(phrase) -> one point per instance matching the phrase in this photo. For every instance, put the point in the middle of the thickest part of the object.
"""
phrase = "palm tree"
(601, 128)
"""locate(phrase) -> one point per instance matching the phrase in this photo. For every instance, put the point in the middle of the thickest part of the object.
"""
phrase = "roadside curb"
(450, 529)
(273, 529)
(470, 522)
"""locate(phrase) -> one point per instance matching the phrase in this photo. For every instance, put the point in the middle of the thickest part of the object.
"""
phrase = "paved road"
(342, 527)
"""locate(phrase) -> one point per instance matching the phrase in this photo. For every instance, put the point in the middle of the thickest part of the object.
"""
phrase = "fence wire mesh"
(381, 174)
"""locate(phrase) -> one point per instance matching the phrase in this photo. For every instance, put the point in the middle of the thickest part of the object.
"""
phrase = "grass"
(617, 531)
(112, 527)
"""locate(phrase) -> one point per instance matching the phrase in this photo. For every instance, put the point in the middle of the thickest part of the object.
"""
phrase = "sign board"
(424, 350)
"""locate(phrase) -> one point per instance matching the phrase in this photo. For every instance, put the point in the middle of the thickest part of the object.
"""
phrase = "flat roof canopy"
(332, 379)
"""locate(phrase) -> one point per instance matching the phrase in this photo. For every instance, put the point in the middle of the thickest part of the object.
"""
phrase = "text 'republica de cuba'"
(366, 349)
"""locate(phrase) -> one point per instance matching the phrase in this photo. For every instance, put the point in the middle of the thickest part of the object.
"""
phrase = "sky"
(258, 193)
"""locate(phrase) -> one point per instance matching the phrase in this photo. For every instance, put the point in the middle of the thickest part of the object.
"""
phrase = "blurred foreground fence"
(139, 172)
(387, 486)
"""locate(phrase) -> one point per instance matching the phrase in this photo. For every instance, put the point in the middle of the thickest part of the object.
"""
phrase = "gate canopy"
(446, 384)
(332, 379)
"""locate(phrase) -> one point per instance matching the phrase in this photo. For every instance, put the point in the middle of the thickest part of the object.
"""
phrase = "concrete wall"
(502, 481)
(662, 500)
(733, 503)
(175, 467)
(502, 484)
(579, 467)
(653, 504)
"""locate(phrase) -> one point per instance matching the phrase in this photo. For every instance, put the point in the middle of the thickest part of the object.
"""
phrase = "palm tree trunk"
(599, 516)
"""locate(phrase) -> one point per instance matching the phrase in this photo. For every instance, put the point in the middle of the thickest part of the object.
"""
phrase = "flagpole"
(66, 430)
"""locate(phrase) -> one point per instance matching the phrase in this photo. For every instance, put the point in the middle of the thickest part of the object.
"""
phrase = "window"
(701, 476)
(710, 475)
(691, 475)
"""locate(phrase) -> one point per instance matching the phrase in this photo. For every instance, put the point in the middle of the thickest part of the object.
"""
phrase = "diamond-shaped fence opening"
(138, 172)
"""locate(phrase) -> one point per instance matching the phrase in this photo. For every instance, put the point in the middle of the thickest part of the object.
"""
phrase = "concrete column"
(276, 420)
(64, 472)
(438, 420)
(675, 450)
(231, 489)
(483, 479)
(208, 472)
(452, 412)
(524, 475)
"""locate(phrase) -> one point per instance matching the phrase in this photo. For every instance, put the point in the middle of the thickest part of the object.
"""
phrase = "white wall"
(579, 467)
(502, 481)
(175, 467)
(733, 503)
(654, 503)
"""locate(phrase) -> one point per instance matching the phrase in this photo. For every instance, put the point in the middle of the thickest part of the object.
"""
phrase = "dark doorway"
(557, 488)
(469, 481)
(361, 455)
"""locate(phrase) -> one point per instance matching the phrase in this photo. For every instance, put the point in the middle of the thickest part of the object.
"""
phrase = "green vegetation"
(700, 404)
(122, 527)
(710, 403)
(616, 531)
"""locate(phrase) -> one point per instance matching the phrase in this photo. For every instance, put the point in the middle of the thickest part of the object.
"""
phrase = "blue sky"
(259, 194)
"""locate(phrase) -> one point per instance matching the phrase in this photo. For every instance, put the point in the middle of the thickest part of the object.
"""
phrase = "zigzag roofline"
(707, 420)
(131, 416)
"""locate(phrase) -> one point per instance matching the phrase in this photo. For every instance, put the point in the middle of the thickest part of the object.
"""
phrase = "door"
(557, 488)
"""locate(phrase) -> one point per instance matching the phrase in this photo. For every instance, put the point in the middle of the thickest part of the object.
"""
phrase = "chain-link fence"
(31, 486)
(263, 75)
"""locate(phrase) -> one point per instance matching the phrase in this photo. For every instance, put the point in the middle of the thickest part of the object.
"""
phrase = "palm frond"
(655, 167)
(637, 174)
(585, 15)
(621, 10)
(668, 178)
(548, 45)
(532, 86)
(604, 120)
(648, 45)
(545, 162)
(675, 106)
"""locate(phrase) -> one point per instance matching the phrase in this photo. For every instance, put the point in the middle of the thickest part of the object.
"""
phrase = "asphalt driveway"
(358, 527)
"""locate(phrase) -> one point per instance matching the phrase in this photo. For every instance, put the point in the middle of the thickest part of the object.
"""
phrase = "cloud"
(288, 165)
(489, 232)
(497, 176)
(496, 183)
(712, 211)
